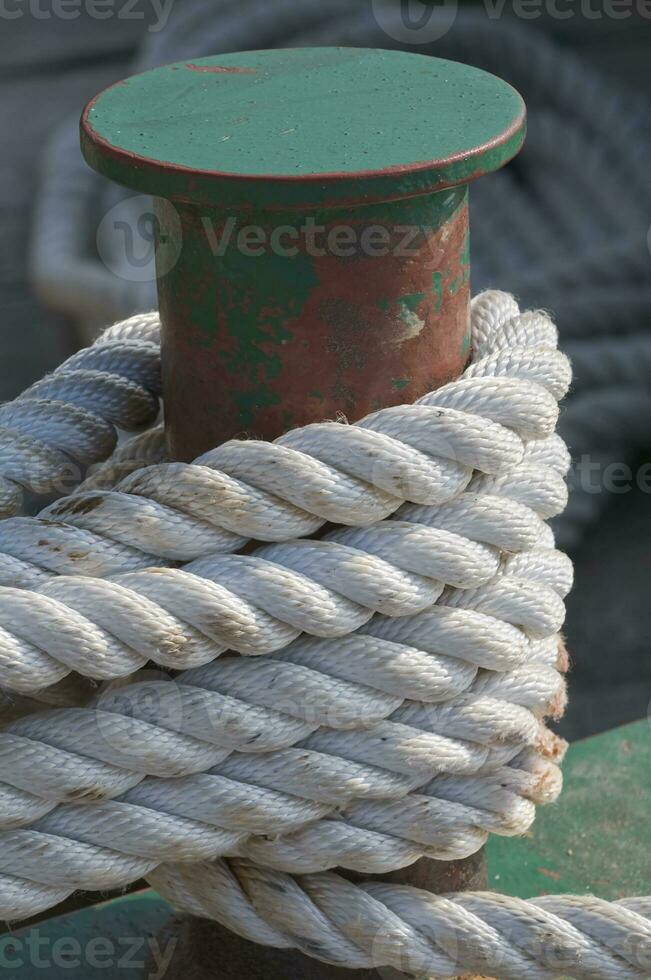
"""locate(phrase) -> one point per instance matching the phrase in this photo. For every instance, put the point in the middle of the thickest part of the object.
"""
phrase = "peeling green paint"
(465, 349)
(412, 302)
(465, 254)
(437, 280)
(242, 308)
(456, 284)
(250, 402)
(399, 383)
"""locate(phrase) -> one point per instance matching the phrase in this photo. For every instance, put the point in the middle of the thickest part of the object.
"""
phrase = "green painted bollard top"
(303, 127)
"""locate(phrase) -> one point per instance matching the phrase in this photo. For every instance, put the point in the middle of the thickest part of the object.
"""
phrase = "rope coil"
(68, 420)
(389, 698)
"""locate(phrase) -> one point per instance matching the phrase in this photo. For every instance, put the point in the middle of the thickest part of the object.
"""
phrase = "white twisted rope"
(373, 924)
(258, 603)
(407, 723)
(67, 421)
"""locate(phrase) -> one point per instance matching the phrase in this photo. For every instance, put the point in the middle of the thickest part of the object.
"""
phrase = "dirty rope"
(394, 675)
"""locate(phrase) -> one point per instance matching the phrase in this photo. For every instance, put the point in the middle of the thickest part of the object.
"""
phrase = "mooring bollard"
(312, 260)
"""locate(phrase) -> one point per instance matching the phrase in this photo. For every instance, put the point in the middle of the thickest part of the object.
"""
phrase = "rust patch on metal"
(293, 340)
(221, 70)
(548, 873)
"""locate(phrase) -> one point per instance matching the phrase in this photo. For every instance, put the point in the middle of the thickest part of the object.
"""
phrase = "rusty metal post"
(312, 260)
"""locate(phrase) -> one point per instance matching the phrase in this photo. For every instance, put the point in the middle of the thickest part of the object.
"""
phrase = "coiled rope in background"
(389, 698)
(68, 421)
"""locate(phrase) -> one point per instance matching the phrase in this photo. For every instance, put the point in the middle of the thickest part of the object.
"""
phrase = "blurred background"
(565, 227)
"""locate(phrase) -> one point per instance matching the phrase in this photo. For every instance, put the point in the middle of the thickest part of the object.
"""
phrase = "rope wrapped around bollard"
(389, 698)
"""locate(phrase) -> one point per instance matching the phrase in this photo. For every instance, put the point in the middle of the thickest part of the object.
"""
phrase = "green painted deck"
(596, 839)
